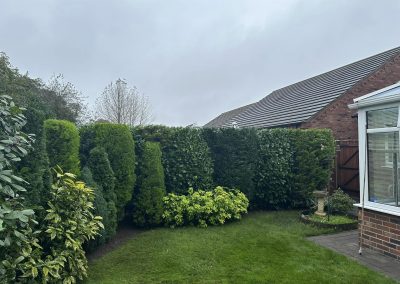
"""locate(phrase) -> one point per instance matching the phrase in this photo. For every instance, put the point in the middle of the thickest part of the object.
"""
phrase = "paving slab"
(346, 243)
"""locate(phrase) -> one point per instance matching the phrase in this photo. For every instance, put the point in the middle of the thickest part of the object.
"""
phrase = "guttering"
(375, 101)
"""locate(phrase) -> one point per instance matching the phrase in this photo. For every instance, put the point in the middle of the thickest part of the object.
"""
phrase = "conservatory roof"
(386, 95)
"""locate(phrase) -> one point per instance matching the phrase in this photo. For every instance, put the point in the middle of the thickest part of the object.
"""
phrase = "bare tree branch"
(121, 104)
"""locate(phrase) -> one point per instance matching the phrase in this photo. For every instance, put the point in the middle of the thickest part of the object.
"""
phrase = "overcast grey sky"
(194, 59)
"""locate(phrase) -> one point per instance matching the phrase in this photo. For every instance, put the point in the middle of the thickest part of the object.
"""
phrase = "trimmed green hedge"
(185, 156)
(150, 188)
(62, 145)
(314, 151)
(117, 141)
(234, 155)
(273, 169)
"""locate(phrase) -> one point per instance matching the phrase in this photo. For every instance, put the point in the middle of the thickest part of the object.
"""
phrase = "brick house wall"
(381, 232)
(338, 117)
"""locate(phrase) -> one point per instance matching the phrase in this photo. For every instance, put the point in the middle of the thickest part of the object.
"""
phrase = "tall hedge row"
(62, 145)
(150, 187)
(234, 155)
(275, 168)
(118, 143)
(185, 156)
(314, 150)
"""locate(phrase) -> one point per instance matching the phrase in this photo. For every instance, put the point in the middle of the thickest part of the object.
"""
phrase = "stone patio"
(346, 243)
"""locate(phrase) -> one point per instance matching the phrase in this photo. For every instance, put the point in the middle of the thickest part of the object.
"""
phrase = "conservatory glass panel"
(383, 165)
(382, 118)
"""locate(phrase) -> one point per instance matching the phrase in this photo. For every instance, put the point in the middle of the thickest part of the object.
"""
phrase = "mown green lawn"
(264, 247)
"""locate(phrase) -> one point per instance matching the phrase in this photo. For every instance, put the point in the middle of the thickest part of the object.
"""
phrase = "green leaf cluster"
(69, 223)
(150, 187)
(202, 208)
(19, 244)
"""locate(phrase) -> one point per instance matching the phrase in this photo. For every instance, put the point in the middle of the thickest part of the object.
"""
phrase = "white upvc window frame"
(363, 157)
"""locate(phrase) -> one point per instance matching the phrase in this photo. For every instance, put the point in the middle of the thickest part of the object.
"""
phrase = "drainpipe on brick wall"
(363, 195)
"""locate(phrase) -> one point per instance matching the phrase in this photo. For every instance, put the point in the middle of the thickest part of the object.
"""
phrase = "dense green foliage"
(69, 222)
(100, 209)
(202, 208)
(62, 145)
(234, 155)
(118, 143)
(150, 187)
(264, 247)
(273, 171)
(185, 156)
(340, 203)
(314, 151)
(34, 167)
(103, 175)
(18, 242)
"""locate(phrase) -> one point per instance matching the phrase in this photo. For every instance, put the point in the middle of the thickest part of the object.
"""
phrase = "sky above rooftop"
(193, 59)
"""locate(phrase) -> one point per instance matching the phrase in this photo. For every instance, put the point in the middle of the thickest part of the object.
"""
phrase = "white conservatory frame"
(388, 97)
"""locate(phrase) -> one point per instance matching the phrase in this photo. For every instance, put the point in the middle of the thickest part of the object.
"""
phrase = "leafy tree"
(150, 188)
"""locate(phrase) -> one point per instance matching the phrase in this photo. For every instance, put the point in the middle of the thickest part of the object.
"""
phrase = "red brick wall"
(381, 232)
(338, 117)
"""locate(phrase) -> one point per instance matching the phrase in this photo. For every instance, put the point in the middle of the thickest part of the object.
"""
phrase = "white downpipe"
(363, 192)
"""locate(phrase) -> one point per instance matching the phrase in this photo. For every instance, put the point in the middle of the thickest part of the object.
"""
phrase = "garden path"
(346, 243)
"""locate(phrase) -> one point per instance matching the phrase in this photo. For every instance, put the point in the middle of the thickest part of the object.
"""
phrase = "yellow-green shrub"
(202, 208)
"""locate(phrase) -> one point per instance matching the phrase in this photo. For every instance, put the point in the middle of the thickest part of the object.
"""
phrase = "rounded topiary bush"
(62, 145)
(150, 187)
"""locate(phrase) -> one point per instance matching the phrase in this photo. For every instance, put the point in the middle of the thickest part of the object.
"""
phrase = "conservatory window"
(383, 156)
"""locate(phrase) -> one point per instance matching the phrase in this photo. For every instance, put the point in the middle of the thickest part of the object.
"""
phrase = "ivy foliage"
(185, 156)
(150, 188)
(202, 208)
(234, 155)
(62, 145)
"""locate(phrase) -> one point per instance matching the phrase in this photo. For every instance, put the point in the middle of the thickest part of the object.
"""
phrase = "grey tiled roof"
(298, 102)
(222, 119)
